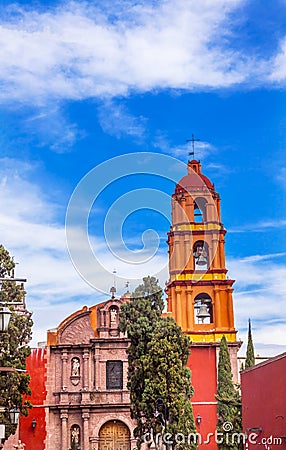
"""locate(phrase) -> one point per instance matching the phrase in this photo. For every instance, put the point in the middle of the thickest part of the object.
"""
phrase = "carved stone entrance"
(114, 435)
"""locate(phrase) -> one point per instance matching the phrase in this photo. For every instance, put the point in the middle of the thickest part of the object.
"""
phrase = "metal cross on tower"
(193, 140)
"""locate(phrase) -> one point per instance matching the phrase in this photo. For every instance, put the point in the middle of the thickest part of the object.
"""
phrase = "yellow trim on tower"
(198, 276)
(212, 337)
(198, 226)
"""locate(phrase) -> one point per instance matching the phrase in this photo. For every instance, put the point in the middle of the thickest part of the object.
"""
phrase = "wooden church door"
(114, 435)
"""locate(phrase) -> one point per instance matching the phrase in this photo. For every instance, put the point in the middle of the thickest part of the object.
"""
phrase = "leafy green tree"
(229, 402)
(157, 357)
(14, 349)
(250, 358)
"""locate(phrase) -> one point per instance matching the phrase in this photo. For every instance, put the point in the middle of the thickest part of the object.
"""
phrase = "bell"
(201, 256)
(201, 260)
(203, 313)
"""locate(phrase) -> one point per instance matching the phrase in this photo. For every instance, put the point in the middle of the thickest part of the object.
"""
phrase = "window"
(114, 375)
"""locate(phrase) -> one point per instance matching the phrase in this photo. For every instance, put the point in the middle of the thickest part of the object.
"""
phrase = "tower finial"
(193, 140)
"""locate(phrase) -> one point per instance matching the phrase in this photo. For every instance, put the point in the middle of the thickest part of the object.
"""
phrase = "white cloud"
(202, 149)
(259, 294)
(115, 120)
(52, 129)
(32, 229)
(260, 227)
(278, 64)
(77, 51)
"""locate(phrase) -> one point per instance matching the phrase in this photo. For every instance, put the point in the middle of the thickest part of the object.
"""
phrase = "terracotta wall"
(202, 363)
(263, 403)
(34, 438)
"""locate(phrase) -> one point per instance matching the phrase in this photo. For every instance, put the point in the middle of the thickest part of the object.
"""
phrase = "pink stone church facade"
(80, 398)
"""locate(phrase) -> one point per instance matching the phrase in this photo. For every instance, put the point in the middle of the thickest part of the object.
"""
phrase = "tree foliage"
(229, 402)
(14, 349)
(157, 357)
(250, 357)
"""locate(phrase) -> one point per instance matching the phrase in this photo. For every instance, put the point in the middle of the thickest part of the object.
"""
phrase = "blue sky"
(83, 82)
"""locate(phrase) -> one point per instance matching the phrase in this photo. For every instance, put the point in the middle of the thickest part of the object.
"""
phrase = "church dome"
(195, 180)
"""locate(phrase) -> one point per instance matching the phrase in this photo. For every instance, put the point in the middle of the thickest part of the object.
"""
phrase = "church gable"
(77, 331)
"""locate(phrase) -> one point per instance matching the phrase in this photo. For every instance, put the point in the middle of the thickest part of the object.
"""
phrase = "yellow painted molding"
(212, 337)
(198, 226)
(198, 276)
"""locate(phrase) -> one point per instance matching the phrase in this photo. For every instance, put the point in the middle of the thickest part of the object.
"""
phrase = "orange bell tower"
(199, 293)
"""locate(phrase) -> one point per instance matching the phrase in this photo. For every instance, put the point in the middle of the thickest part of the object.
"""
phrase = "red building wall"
(34, 438)
(264, 403)
(202, 363)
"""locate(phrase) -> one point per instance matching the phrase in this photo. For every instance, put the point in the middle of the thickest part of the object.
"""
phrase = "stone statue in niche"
(75, 372)
(113, 316)
(75, 437)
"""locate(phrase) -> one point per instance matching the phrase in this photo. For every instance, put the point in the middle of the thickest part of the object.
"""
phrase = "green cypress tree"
(229, 402)
(157, 357)
(250, 358)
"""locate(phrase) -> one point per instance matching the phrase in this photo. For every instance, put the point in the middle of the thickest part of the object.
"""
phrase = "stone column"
(184, 216)
(175, 212)
(96, 368)
(64, 429)
(64, 358)
(230, 308)
(176, 252)
(178, 306)
(190, 309)
(85, 416)
(190, 207)
(189, 252)
(222, 255)
(217, 311)
(215, 252)
(85, 369)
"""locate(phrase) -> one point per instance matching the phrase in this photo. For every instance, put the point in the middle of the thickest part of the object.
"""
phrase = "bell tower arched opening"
(201, 255)
(200, 210)
(203, 310)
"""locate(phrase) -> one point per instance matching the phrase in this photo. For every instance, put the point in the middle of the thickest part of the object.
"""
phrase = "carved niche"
(108, 317)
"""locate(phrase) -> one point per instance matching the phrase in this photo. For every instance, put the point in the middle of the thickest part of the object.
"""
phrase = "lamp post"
(5, 313)
(14, 415)
(161, 414)
(199, 419)
(161, 411)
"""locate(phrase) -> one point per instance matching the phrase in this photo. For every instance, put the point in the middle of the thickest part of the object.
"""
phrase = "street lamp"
(161, 411)
(161, 414)
(199, 419)
(14, 415)
(5, 315)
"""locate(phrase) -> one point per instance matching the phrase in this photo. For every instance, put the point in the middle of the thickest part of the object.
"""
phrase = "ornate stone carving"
(77, 331)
